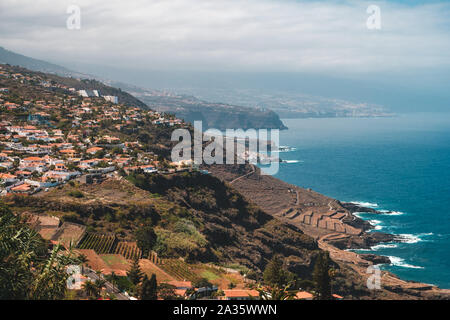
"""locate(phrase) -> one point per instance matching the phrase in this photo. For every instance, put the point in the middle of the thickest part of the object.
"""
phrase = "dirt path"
(245, 175)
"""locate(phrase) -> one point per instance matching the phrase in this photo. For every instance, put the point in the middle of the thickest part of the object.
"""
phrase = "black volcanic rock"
(375, 259)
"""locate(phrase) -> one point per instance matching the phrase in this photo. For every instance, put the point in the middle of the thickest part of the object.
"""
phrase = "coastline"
(335, 225)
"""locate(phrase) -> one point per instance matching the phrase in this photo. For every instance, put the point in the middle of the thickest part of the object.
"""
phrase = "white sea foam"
(292, 161)
(412, 238)
(360, 214)
(284, 149)
(384, 246)
(376, 223)
(399, 262)
(365, 204)
(391, 213)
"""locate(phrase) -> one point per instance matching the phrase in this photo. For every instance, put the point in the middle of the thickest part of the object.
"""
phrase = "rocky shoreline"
(332, 224)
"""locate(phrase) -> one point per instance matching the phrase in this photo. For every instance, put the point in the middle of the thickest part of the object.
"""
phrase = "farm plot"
(100, 243)
(128, 249)
(179, 269)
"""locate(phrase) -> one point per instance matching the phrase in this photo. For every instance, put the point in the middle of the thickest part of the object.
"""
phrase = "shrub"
(76, 194)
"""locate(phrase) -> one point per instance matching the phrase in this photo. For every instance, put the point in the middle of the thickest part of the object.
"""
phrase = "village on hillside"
(53, 135)
(47, 142)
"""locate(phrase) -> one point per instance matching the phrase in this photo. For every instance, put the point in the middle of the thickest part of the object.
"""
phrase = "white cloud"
(265, 35)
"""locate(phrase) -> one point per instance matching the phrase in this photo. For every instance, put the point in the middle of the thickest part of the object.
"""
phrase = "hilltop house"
(240, 294)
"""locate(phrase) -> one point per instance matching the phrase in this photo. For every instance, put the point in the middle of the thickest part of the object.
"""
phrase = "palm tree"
(91, 289)
(100, 284)
(113, 279)
(27, 270)
(276, 293)
(83, 259)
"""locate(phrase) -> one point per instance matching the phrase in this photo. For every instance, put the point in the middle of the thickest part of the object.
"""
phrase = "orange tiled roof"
(7, 176)
(22, 187)
(239, 293)
(180, 284)
(303, 295)
(33, 159)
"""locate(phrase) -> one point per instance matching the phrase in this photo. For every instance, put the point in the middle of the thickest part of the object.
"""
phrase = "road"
(108, 286)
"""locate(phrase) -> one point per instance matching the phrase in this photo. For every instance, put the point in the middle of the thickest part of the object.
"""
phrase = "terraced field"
(100, 243)
(128, 249)
(179, 269)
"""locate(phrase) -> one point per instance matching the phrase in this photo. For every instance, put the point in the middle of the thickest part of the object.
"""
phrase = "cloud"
(262, 35)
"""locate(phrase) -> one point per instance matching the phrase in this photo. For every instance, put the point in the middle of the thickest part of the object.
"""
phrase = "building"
(303, 295)
(89, 93)
(112, 99)
(241, 294)
(181, 287)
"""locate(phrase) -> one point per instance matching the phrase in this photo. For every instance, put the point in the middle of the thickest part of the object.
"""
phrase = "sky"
(314, 37)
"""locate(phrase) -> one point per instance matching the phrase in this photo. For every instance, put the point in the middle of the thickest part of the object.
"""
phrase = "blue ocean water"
(400, 164)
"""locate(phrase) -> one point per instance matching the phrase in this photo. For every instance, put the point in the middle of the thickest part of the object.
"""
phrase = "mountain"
(214, 115)
(15, 59)
(67, 77)
(221, 116)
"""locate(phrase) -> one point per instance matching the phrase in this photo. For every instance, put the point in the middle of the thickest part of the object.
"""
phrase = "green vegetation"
(27, 270)
(149, 288)
(202, 283)
(129, 250)
(146, 239)
(275, 275)
(76, 194)
(179, 269)
(100, 243)
(321, 276)
(135, 273)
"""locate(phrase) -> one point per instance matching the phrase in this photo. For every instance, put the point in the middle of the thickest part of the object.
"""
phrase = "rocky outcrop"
(375, 259)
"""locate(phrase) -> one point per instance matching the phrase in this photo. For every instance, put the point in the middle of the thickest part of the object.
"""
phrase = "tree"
(276, 293)
(275, 275)
(27, 270)
(91, 289)
(202, 283)
(135, 273)
(149, 289)
(321, 277)
(83, 259)
(167, 292)
(145, 238)
(114, 279)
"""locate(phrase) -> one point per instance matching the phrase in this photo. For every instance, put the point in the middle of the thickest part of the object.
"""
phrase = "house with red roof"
(240, 294)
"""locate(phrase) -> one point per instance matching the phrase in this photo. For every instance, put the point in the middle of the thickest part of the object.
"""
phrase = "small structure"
(303, 295)
(241, 294)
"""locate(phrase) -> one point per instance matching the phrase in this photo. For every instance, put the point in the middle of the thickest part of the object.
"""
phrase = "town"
(50, 141)
(63, 148)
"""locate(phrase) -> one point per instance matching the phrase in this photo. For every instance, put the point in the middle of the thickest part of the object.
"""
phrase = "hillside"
(213, 115)
(93, 174)
(15, 59)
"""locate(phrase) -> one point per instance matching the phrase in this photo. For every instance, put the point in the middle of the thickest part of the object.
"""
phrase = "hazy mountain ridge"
(213, 115)
(288, 104)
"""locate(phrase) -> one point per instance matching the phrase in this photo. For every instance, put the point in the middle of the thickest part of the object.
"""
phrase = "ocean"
(400, 164)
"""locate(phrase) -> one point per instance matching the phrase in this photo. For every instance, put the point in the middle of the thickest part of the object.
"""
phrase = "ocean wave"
(365, 204)
(284, 149)
(384, 246)
(412, 238)
(391, 213)
(399, 262)
(376, 224)
(292, 161)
